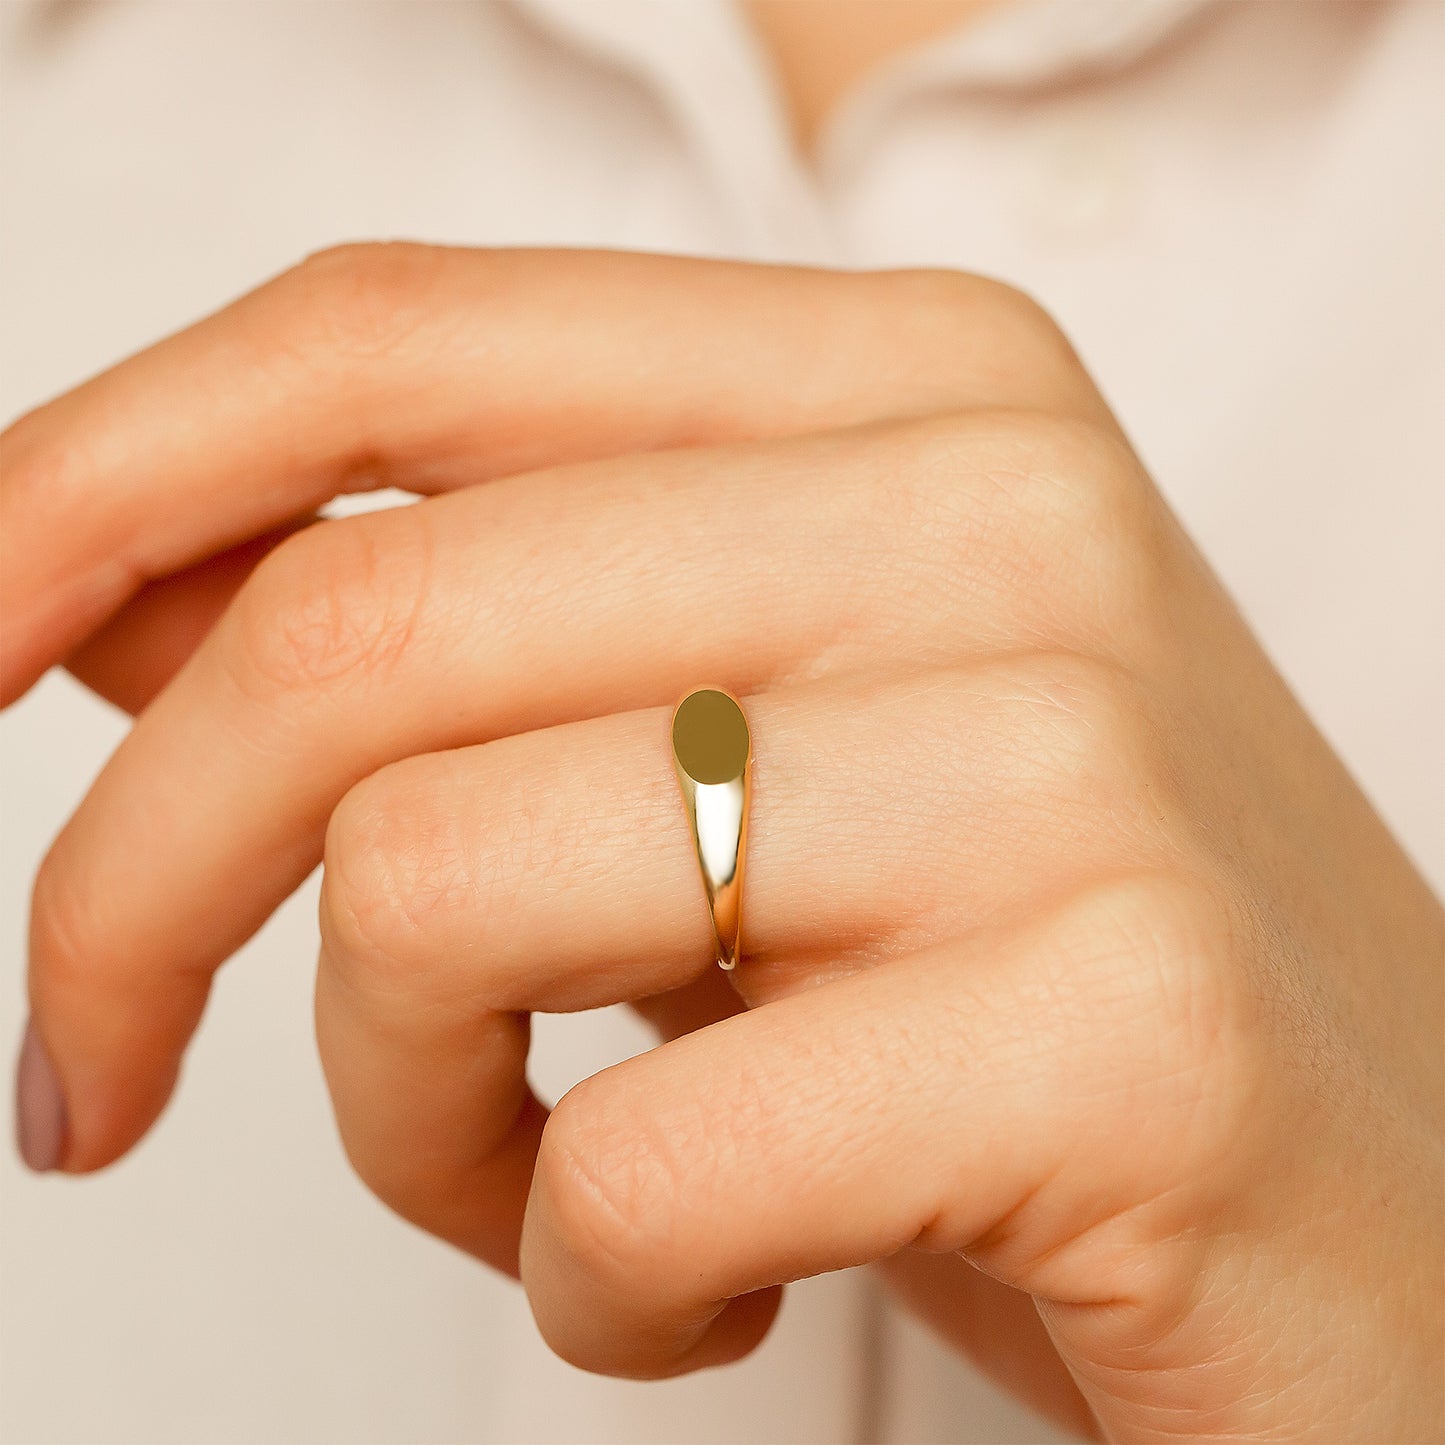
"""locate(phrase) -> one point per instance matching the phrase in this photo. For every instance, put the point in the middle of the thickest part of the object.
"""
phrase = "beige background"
(1243, 235)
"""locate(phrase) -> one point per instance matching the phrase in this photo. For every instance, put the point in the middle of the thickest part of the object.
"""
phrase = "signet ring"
(713, 756)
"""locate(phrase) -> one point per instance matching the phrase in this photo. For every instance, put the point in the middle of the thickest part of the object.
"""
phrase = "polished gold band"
(712, 752)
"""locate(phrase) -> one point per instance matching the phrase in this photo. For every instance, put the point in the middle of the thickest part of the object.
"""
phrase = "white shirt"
(1237, 210)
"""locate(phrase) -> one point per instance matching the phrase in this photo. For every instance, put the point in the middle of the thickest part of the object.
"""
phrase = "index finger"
(430, 368)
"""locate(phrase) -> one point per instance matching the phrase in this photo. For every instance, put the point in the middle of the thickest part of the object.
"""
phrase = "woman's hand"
(1076, 965)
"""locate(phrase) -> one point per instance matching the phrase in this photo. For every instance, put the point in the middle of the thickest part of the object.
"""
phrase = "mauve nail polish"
(39, 1106)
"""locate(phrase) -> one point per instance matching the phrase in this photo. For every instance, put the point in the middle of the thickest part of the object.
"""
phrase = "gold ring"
(712, 751)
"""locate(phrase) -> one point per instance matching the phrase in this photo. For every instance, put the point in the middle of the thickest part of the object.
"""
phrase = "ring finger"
(552, 871)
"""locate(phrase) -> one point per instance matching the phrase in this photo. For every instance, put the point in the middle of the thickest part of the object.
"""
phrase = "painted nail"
(39, 1106)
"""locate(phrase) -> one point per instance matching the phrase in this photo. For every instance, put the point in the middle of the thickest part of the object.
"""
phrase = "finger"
(469, 1129)
(956, 1100)
(692, 1005)
(461, 619)
(143, 646)
(553, 871)
(995, 1326)
(429, 367)
(451, 1148)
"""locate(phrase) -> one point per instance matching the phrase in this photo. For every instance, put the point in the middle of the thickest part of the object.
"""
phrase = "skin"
(820, 53)
(1082, 990)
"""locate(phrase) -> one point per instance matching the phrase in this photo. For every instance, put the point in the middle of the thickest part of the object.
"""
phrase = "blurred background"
(231, 1281)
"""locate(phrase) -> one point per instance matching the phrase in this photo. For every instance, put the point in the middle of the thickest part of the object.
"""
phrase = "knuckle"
(950, 328)
(1079, 476)
(1182, 1009)
(1055, 511)
(949, 313)
(1083, 765)
(1085, 719)
(365, 299)
(963, 297)
(390, 867)
(1062, 478)
(335, 601)
(1095, 527)
(609, 1181)
(1010, 310)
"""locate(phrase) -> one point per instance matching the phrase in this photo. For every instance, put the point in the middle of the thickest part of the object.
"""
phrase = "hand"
(1084, 991)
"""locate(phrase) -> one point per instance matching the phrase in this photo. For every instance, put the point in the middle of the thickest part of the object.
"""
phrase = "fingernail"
(39, 1106)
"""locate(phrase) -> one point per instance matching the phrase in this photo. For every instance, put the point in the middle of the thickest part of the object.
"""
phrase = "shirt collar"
(703, 62)
(1016, 43)
(707, 67)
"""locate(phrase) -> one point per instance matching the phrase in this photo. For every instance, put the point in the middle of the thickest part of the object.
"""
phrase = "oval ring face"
(710, 737)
